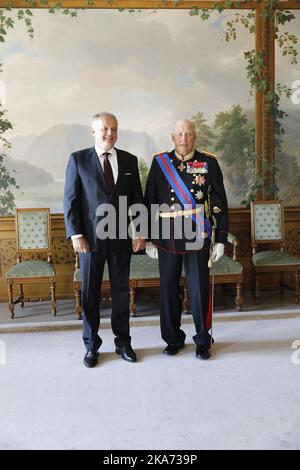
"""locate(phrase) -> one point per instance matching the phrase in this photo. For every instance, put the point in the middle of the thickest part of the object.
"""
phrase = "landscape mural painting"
(148, 68)
(288, 158)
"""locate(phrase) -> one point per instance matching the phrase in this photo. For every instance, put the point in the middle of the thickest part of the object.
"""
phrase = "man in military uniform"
(192, 182)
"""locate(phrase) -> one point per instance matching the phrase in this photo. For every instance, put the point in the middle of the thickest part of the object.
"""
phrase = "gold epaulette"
(159, 153)
(209, 154)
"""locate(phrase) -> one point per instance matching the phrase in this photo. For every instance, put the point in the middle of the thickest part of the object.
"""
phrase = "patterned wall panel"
(293, 242)
(62, 251)
(7, 253)
(64, 259)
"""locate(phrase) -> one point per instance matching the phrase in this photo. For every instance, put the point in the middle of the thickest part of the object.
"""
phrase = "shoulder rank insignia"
(209, 154)
(159, 153)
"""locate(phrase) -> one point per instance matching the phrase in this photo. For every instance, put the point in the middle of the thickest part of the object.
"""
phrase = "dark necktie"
(109, 177)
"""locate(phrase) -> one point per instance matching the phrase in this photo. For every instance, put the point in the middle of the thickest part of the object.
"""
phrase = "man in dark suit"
(96, 178)
(190, 185)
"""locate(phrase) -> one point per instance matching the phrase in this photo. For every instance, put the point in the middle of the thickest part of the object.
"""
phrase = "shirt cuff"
(76, 236)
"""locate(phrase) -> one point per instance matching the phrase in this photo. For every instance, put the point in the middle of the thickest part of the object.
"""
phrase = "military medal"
(199, 179)
(181, 167)
(197, 167)
(199, 195)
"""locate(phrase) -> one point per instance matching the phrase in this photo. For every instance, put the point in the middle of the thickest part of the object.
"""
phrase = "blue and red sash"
(180, 188)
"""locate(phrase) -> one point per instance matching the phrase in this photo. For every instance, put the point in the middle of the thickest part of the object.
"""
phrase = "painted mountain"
(38, 162)
(26, 174)
(51, 149)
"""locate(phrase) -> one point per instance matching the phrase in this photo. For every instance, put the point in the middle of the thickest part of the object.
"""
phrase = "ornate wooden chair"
(228, 270)
(144, 274)
(33, 233)
(77, 288)
(267, 227)
(105, 287)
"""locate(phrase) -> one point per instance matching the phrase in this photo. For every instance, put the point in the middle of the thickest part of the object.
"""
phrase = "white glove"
(217, 253)
(151, 250)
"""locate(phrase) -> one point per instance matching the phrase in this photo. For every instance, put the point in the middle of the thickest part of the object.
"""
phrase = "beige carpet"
(245, 397)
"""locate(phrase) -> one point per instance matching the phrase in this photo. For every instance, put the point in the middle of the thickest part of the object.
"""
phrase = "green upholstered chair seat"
(226, 265)
(230, 238)
(77, 274)
(31, 269)
(146, 267)
(143, 267)
(274, 258)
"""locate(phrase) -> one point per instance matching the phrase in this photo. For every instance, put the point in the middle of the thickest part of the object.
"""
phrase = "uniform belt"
(175, 214)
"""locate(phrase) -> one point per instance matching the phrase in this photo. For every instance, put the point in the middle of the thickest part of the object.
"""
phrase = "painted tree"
(7, 181)
(234, 136)
(143, 169)
(8, 19)
(205, 136)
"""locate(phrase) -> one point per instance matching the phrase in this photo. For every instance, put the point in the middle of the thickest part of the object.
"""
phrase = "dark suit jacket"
(158, 191)
(86, 189)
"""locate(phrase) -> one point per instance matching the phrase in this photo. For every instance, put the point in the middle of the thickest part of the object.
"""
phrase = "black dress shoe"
(91, 358)
(202, 352)
(173, 348)
(127, 353)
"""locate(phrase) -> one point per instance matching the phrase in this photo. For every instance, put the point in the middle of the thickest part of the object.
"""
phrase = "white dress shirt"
(113, 160)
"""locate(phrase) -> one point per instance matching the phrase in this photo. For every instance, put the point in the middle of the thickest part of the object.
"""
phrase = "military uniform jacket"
(206, 187)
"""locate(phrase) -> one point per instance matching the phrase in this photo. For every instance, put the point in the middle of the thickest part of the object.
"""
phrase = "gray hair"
(98, 116)
(184, 121)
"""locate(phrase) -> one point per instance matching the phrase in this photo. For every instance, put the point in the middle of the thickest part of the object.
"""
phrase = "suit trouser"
(197, 274)
(91, 268)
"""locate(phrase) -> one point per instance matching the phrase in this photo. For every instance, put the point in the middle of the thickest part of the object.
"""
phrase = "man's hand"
(138, 244)
(217, 253)
(80, 245)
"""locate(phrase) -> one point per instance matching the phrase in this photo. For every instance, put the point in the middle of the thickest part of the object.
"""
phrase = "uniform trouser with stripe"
(91, 268)
(197, 274)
